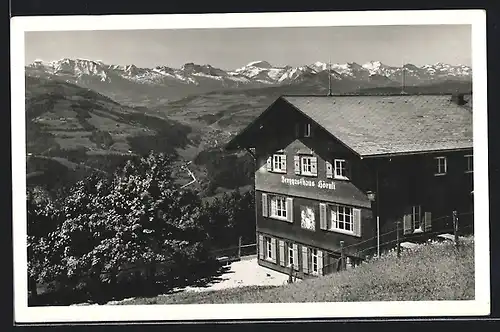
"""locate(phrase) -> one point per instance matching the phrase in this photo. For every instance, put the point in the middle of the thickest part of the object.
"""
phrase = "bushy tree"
(229, 216)
(138, 217)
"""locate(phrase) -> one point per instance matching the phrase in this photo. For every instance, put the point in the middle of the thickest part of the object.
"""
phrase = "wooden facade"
(313, 193)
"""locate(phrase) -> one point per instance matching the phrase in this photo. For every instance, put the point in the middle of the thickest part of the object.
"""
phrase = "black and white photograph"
(250, 166)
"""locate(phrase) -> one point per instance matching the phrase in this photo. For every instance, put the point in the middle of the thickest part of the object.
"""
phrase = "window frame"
(290, 257)
(470, 162)
(282, 162)
(413, 220)
(313, 255)
(310, 158)
(345, 165)
(284, 216)
(438, 171)
(269, 248)
(334, 208)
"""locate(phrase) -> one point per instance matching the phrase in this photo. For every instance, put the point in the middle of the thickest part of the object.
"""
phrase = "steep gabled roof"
(389, 125)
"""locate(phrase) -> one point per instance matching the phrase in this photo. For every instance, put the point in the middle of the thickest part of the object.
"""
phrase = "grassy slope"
(430, 272)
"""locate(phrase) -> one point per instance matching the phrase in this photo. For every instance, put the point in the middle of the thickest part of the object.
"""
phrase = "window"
(470, 164)
(307, 130)
(308, 165)
(278, 207)
(341, 218)
(415, 220)
(279, 163)
(440, 166)
(416, 217)
(290, 254)
(340, 169)
(314, 261)
(307, 218)
(269, 248)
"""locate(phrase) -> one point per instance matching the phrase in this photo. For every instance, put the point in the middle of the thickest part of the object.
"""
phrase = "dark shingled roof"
(398, 124)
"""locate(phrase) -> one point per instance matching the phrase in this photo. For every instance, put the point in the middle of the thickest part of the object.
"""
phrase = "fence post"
(455, 228)
(239, 247)
(398, 241)
(342, 258)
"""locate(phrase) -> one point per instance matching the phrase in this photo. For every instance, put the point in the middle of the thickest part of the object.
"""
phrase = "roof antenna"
(329, 78)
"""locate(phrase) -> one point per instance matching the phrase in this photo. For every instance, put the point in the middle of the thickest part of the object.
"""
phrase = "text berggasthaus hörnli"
(308, 183)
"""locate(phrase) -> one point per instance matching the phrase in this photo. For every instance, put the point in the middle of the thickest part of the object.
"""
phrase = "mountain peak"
(260, 64)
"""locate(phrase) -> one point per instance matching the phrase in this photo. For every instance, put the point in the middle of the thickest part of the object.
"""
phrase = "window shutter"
(305, 263)
(322, 215)
(347, 169)
(273, 249)
(356, 220)
(265, 208)
(427, 221)
(296, 160)
(329, 170)
(282, 252)
(289, 209)
(314, 166)
(284, 161)
(261, 246)
(269, 164)
(407, 224)
(320, 262)
(295, 257)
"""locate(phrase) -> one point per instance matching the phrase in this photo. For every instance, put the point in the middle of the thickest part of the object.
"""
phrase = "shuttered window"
(340, 218)
(417, 222)
(280, 207)
(308, 166)
(279, 163)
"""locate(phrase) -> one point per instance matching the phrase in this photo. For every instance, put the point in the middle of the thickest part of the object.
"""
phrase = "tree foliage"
(137, 217)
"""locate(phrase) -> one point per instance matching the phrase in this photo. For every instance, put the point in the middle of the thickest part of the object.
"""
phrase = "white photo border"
(196, 312)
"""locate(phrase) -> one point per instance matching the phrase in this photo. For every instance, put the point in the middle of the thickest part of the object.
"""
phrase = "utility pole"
(329, 78)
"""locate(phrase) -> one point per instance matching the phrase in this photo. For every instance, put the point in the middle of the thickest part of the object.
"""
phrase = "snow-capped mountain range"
(256, 71)
(194, 78)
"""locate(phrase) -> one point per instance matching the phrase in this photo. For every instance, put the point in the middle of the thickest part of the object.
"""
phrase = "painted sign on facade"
(308, 183)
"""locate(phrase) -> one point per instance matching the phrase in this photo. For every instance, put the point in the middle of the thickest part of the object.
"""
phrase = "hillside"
(434, 271)
(70, 128)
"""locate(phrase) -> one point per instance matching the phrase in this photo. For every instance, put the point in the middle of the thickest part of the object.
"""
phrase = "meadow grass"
(435, 271)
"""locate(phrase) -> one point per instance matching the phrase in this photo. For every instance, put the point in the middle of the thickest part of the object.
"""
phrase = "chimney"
(458, 98)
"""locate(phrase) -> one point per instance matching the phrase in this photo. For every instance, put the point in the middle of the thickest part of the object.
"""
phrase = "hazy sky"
(233, 48)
